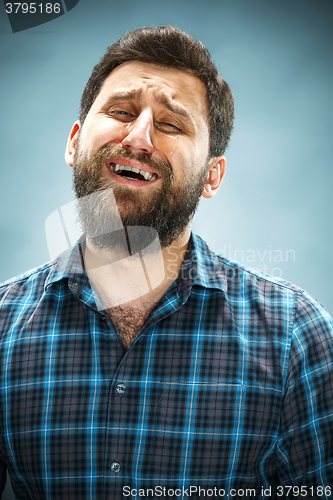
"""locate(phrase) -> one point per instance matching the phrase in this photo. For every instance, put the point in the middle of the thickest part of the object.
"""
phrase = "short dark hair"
(168, 46)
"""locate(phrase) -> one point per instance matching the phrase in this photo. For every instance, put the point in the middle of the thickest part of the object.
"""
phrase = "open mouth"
(131, 173)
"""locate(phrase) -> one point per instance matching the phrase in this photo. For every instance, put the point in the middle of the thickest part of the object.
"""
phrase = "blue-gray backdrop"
(274, 211)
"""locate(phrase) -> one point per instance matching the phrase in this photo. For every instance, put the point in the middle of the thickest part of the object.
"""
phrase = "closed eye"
(169, 127)
(118, 113)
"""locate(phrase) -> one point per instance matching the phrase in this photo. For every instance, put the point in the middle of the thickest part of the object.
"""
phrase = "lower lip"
(130, 182)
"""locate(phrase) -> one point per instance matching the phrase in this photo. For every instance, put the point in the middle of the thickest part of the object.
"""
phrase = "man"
(125, 377)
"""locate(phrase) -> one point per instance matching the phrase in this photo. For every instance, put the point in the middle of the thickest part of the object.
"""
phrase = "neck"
(142, 278)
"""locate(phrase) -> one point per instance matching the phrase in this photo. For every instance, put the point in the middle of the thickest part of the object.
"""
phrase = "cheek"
(97, 135)
(167, 144)
(180, 151)
(188, 160)
(182, 163)
(110, 131)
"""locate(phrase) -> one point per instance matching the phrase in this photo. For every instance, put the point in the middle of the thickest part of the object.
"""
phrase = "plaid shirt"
(228, 385)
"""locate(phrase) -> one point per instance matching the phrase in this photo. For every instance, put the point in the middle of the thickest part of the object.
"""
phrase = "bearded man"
(139, 363)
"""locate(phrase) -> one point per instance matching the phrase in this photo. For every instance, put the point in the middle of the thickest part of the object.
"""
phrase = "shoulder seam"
(26, 275)
(275, 281)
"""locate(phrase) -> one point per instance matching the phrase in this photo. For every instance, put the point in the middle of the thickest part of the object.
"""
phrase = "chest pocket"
(206, 431)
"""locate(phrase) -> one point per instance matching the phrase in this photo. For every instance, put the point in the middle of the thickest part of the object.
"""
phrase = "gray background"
(274, 210)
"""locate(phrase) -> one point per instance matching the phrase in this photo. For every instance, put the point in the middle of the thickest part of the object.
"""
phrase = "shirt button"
(121, 388)
(104, 318)
(115, 467)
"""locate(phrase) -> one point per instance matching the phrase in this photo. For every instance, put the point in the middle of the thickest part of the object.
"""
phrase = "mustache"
(111, 152)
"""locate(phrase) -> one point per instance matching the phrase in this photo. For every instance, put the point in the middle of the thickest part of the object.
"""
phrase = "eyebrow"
(161, 99)
(173, 107)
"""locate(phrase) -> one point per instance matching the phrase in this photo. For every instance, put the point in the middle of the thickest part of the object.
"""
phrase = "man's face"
(146, 136)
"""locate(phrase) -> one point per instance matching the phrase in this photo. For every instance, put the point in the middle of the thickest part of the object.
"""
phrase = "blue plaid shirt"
(228, 387)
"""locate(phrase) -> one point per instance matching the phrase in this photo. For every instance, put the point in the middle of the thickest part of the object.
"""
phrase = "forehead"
(153, 82)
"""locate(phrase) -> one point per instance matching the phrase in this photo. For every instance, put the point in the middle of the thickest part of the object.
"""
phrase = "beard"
(102, 203)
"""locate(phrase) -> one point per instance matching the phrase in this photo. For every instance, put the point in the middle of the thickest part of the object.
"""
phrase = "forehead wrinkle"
(120, 95)
(174, 107)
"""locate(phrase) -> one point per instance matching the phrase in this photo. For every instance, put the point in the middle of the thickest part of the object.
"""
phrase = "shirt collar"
(200, 267)
(68, 265)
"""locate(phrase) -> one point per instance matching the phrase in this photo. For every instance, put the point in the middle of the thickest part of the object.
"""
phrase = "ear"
(215, 176)
(71, 143)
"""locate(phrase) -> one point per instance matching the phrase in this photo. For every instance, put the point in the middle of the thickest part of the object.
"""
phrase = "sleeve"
(305, 443)
(3, 467)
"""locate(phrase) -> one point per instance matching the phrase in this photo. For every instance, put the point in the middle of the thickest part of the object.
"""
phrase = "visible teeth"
(115, 168)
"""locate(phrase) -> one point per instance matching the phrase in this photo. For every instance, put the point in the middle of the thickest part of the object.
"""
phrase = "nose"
(138, 138)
